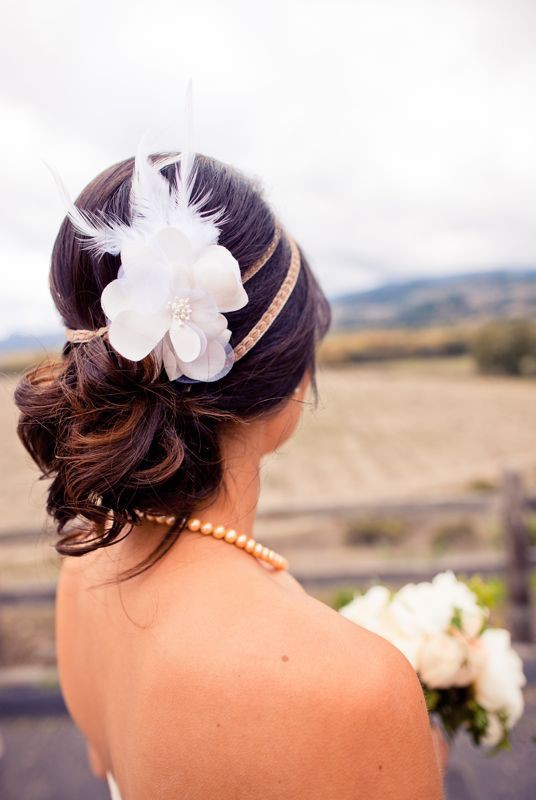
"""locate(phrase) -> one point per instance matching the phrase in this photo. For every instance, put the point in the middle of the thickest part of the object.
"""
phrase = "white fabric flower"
(168, 300)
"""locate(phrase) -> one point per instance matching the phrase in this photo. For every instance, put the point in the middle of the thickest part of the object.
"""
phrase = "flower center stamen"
(181, 309)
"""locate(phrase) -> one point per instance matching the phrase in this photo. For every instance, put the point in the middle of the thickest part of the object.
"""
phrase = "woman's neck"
(235, 505)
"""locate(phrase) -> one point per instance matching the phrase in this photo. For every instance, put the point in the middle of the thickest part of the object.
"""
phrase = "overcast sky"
(393, 138)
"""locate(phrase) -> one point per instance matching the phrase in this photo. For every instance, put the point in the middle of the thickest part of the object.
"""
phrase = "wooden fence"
(517, 562)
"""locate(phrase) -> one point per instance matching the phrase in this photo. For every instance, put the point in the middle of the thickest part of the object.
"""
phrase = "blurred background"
(396, 140)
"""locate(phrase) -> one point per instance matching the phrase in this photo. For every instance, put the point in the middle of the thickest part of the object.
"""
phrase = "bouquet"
(471, 676)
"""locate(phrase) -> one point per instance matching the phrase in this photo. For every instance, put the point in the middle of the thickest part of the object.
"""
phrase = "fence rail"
(517, 562)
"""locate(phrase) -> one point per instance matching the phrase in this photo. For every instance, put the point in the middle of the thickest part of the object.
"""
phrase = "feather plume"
(154, 202)
(99, 235)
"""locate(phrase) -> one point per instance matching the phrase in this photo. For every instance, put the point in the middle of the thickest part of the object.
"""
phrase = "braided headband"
(271, 313)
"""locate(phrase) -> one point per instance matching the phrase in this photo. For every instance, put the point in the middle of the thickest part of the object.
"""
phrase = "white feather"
(154, 202)
(100, 236)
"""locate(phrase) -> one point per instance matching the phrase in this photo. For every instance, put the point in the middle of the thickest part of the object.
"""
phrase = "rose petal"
(186, 339)
(134, 335)
(208, 364)
(217, 271)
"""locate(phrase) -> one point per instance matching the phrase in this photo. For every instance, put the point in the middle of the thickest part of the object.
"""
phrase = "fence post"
(516, 541)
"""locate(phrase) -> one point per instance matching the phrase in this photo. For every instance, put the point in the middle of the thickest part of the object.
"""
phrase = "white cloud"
(393, 138)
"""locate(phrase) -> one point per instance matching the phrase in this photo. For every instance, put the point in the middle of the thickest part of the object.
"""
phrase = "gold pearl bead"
(243, 541)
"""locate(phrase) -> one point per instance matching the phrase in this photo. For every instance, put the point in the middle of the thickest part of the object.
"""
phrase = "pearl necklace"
(229, 535)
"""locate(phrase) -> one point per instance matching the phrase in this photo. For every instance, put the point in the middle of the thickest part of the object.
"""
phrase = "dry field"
(379, 432)
(400, 431)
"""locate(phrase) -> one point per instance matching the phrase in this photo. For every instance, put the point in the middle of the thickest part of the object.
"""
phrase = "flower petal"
(186, 340)
(208, 364)
(139, 257)
(115, 297)
(177, 250)
(146, 294)
(217, 271)
(171, 363)
(209, 320)
(175, 245)
(134, 335)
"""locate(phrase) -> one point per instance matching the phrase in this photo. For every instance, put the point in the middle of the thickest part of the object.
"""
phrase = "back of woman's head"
(116, 436)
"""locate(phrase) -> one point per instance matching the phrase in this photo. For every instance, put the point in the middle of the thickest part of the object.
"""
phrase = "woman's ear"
(301, 389)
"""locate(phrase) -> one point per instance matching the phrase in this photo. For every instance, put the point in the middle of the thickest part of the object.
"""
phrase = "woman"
(191, 660)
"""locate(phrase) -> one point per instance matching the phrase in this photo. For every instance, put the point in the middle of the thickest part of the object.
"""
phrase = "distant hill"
(428, 302)
(19, 342)
(419, 303)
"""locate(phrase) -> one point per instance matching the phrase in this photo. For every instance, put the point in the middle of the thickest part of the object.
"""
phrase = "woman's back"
(211, 676)
(208, 674)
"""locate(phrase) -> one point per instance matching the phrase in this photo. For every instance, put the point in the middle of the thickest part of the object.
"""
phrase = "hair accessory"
(275, 306)
(175, 283)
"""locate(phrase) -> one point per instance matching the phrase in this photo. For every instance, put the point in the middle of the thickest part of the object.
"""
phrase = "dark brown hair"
(116, 435)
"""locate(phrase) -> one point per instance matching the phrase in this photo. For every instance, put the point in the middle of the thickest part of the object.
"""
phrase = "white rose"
(500, 676)
(366, 608)
(419, 607)
(372, 610)
(460, 598)
(473, 620)
(442, 661)
(471, 667)
(408, 646)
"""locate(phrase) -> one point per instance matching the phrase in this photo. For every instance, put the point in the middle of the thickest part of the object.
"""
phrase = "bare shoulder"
(295, 701)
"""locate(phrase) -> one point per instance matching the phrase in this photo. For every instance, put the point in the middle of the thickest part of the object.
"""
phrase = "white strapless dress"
(114, 788)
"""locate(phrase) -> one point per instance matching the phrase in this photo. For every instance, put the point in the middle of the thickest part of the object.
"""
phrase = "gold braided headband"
(275, 306)
(260, 328)
(266, 256)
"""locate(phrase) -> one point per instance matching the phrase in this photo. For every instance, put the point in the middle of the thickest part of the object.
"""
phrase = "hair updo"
(118, 436)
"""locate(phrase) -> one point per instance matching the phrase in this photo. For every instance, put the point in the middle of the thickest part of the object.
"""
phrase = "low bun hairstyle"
(116, 436)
